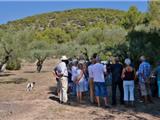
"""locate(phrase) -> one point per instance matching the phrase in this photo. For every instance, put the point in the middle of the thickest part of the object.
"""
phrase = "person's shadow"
(54, 95)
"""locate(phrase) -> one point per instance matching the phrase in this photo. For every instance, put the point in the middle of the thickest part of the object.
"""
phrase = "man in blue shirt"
(143, 73)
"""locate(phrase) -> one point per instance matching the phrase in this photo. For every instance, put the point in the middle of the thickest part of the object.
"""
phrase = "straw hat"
(64, 58)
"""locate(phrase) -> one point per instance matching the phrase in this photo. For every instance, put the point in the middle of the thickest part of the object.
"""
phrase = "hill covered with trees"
(73, 32)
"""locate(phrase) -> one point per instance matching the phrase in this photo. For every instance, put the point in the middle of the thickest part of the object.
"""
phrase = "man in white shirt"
(91, 84)
(63, 79)
(99, 81)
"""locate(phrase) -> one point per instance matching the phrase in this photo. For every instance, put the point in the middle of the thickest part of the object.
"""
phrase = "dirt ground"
(40, 104)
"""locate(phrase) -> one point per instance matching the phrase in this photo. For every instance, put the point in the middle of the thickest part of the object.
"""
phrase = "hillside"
(77, 18)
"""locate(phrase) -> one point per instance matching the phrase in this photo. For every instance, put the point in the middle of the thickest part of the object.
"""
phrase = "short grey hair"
(75, 62)
(127, 61)
(142, 58)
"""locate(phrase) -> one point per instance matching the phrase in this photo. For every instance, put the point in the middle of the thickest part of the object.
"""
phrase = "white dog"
(30, 86)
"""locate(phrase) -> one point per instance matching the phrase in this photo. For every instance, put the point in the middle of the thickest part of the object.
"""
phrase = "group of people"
(80, 76)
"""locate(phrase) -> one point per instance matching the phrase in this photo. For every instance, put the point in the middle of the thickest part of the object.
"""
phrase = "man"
(143, 73)
(55, 74)
(63, 79)
(99, 81)
(91, 84)
(116, 70)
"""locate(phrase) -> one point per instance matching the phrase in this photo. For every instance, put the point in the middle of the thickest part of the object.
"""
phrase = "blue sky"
(12, 10)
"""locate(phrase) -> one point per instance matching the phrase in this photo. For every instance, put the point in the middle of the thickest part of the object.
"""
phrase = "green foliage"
(39, 50)
(114, 35)
(110, 36)
(13, 64)
(53, 35)
(133, 17)
(38, 45)
(144, 43)
(90, 37)
(154, 12)
(70, 21)
(39, 54)
(17, 41)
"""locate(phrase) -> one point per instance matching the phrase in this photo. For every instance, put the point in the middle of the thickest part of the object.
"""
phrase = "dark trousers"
(114, 87)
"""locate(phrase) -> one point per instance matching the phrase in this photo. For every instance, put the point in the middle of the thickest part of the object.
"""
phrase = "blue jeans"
(128, 87)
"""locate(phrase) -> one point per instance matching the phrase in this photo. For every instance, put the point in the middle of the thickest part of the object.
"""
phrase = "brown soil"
(40, 104)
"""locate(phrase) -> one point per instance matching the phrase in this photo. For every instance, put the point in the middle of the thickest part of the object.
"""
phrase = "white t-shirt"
(90, 71)
(98, 72)
(74, 72)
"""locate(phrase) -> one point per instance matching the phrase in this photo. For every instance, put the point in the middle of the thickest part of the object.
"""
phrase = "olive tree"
(39, 51)
(14, 47)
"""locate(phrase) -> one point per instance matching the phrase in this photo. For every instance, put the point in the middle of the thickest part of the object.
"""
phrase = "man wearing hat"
(63, 79)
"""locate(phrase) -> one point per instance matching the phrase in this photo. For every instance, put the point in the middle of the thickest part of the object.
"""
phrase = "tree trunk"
(40, 64)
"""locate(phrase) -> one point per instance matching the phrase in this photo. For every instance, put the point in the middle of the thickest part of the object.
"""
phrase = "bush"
(13, 64)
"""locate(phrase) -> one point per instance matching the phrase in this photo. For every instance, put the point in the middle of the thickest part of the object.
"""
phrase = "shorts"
(100, 89)
(145, 89)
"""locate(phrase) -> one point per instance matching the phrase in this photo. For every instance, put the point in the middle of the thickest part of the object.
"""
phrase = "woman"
(80, 82)
(128, 76)
(85, 71)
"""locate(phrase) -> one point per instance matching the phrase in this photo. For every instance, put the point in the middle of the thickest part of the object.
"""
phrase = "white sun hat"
(64, 57)
(127, 61)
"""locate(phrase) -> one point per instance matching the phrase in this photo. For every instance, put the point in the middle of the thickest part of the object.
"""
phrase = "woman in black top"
(128, 76)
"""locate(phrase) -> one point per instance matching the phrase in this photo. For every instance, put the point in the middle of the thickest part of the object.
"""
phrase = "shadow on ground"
(6, 74)
(35, 71)
(152, 109)
(14, 81)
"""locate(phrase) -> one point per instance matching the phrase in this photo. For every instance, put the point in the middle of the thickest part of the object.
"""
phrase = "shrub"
(13, 64)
